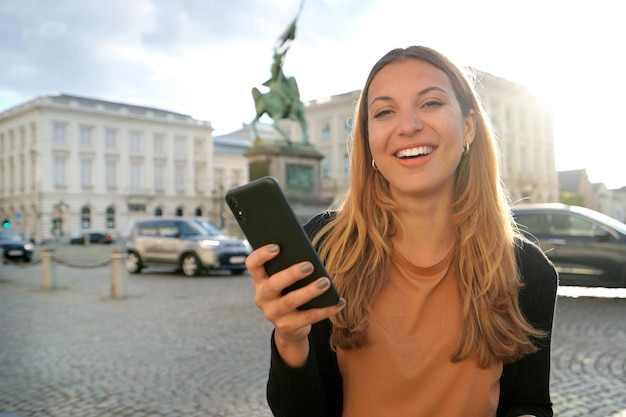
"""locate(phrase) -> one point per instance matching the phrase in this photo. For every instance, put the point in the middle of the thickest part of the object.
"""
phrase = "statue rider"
(285, 87)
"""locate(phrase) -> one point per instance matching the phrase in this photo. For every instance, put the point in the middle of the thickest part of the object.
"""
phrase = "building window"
(199, 147)
(179, 212)
(11, 175)
(159, 143)
(85, 136)
(22, 138)
(179, 145)
(134, 142)
(198, 211)
(326, 167)
(110, 137)
(159, 171)
(85, 172)
(111, 174)
(59, 172)
(158, 211)
(22, 177)
(110, 218)
(135, 175)
(85, 218)
(33, 171)
(58, 134)
(326, 131)
(179, 178)
(199, 180)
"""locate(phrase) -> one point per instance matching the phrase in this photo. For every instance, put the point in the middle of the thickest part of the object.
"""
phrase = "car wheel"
(133, 263)
(190, 265)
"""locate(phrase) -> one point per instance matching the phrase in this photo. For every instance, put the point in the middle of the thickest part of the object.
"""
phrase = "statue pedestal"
(296, 166)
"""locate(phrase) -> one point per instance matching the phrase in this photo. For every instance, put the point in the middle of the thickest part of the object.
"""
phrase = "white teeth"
(412, 152)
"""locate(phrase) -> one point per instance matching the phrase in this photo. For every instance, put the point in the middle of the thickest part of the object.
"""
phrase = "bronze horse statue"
(283, 99)
(280, 103)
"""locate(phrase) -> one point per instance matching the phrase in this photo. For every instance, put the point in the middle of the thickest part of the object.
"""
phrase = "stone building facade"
(69, 165)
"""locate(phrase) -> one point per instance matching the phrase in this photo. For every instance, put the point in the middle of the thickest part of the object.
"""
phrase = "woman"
(447, 310)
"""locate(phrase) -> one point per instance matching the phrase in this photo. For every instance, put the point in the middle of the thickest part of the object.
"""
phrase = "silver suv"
(191, 245)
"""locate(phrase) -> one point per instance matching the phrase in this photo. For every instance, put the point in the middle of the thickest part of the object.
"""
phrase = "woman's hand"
(292, 327)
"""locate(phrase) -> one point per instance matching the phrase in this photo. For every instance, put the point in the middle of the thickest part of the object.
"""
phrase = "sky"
(202, 57)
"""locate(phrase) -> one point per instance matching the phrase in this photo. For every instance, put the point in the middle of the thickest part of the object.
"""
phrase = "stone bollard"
(47, 270)
(118, 272)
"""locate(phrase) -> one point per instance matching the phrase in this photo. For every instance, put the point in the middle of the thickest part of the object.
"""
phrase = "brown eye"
(433, 103)
(381, 113)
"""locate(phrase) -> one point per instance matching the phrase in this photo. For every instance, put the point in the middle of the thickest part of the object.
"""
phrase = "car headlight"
(28, 246)
(209, 244)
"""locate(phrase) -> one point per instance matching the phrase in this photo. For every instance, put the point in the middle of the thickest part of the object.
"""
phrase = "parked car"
(15, 247)
(94, 237)
(189, 244)
(587, 248)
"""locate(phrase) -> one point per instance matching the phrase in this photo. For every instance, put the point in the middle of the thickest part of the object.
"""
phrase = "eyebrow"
(421, 93)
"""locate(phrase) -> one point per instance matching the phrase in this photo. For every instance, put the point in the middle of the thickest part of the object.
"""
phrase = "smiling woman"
(439, 290)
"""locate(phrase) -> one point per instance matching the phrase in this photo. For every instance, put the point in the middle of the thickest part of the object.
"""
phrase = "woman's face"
(416, 128)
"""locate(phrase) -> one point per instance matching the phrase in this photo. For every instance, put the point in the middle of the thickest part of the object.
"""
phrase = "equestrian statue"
(283, 99)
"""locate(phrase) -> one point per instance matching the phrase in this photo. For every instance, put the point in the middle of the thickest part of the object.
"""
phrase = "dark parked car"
(15, 247)
(587, 248)
(94, 237)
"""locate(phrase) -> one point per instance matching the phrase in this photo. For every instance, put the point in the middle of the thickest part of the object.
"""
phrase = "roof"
(61, 99)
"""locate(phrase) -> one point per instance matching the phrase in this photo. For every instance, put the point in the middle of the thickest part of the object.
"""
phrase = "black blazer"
(315, 390)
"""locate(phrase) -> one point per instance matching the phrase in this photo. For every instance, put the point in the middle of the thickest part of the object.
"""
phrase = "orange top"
(406, 370)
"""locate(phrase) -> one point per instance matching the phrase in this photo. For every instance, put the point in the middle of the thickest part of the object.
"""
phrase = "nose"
(409, 122)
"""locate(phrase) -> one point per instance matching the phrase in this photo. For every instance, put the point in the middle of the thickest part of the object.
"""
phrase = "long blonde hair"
(355, 244)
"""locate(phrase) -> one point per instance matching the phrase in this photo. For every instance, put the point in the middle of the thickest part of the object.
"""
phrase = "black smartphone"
(265, 216)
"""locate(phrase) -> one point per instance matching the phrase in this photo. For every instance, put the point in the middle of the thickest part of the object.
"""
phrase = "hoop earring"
(466, 148)
(374, 165)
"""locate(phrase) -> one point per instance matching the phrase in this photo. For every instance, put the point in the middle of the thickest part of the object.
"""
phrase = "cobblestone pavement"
(198, 347)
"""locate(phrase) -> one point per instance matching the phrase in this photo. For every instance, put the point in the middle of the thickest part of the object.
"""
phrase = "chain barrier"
(48, 275)
(81, 266)
(58, 261)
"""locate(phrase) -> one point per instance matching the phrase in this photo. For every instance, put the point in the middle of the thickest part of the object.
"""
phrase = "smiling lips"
(414, 152)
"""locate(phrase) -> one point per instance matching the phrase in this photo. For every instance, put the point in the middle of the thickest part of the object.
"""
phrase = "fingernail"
(322, 283)
(272, 248)
(307, 267)
(341, 303)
